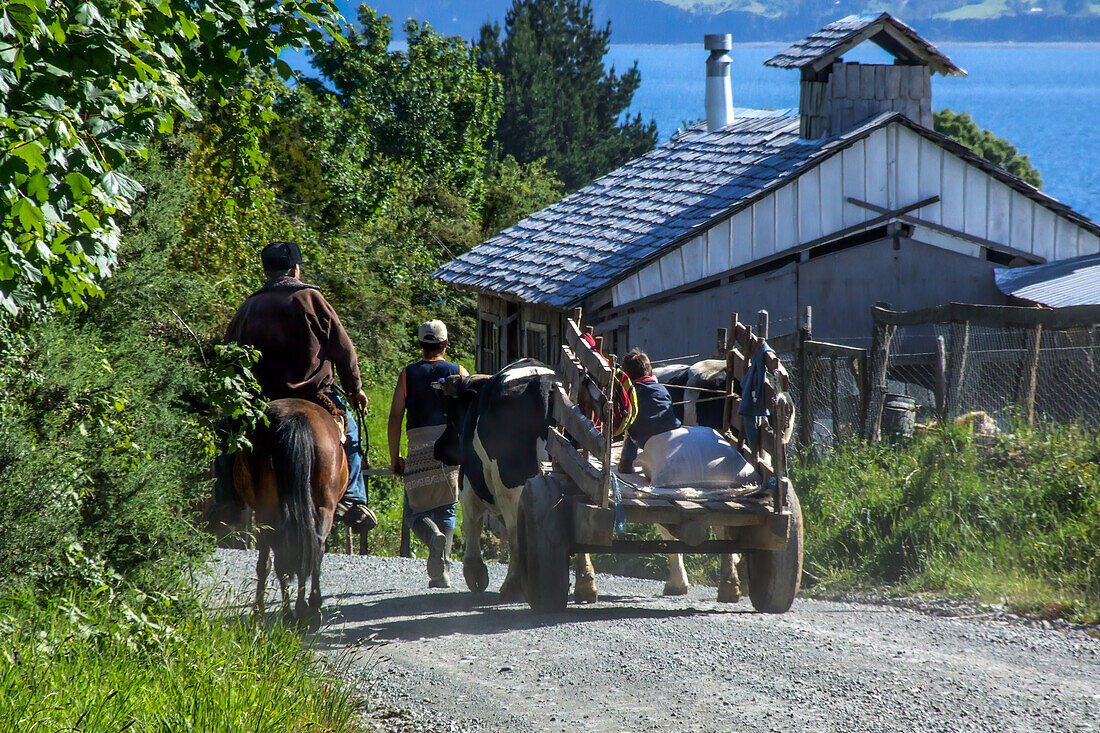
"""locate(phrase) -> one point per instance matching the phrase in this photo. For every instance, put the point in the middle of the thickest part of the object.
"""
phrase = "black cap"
(281, 255)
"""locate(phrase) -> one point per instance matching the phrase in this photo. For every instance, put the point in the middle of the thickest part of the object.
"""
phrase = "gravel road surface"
(431, 660)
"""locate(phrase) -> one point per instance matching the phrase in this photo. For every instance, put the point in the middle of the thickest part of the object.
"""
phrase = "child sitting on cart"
(655, 413)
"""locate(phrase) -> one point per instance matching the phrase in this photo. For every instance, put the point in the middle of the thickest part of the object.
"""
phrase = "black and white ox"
(496, 433)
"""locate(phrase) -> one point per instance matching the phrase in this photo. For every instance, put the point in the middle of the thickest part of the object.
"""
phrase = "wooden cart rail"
(571, 509)
(582, 458)
(769, 455)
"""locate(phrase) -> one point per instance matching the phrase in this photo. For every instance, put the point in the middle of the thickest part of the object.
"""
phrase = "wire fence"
(995, 364)
(1009, 372)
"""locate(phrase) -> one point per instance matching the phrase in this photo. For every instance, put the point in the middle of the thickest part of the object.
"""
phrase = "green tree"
(513, 191)
(560, 103)
(962, 128)
(420, 115)
(83, 85)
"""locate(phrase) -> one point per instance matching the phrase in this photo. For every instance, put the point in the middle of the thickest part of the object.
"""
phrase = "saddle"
(340, 416)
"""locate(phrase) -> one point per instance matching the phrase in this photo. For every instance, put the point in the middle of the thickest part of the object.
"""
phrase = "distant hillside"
(685, 21)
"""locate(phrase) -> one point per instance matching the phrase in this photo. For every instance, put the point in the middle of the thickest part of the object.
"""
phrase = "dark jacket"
(655, 416)
(300, 339)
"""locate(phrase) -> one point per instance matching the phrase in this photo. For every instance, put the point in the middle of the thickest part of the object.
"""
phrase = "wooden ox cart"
(571, 508)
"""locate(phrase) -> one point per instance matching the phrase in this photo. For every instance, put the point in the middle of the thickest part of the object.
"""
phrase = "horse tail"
(293, 463)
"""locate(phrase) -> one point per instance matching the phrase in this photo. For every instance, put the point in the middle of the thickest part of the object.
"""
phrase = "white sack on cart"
(697, 457)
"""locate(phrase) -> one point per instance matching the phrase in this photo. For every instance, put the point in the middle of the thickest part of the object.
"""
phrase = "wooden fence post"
(805, 412)
(956, 366)
(1029, 370)
(834, 400)
(941, 377)
(727, 404)
(762, 323)
(880, 356)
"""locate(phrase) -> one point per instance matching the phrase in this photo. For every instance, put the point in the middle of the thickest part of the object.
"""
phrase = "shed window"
(537, 341)
(488, 342)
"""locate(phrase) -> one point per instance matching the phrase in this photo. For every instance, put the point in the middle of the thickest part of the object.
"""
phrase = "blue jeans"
(357, 488)
(442, 516)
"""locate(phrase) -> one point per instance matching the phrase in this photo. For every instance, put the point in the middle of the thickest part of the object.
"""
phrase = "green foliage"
(84, 85)
(232, 391)
(560, 103)
(514, 190)
(411, 118)
(962, 128)
(101, 431)
(95, 663)
(1018, 518)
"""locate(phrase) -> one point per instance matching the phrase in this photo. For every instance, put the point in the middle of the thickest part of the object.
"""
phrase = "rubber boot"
(444, 579)
(426, 531)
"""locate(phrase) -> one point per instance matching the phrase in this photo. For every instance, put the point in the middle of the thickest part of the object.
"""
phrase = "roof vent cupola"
(719, 99)
(837, 96)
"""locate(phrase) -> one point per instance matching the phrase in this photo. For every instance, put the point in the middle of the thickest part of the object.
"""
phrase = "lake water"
(1045, 99)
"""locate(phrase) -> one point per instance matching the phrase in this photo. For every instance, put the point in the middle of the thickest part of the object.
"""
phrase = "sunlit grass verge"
(98, 666)
(1011, 520)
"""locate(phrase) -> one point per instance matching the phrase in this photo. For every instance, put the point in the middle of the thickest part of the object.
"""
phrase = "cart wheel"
(543, 544)
(774, 576)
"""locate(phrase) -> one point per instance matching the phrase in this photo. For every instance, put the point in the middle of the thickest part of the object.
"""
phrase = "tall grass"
(90, 665)
(1013, 519)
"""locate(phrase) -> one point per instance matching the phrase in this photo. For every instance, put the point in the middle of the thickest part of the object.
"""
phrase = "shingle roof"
(1056, 284)
(615, 225)
(821, 48)
(560, 254)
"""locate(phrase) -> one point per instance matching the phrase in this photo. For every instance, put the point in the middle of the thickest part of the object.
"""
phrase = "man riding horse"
(300, 340)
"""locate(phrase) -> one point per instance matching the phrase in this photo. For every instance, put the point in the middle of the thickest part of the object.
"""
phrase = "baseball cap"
(432, 332)
(281, 255)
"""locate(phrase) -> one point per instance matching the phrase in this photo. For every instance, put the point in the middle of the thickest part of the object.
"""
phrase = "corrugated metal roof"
(840, 36)
(615, 225)
(1056, 284)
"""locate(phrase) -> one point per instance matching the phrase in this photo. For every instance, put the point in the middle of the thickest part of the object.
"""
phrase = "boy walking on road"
(431, 489)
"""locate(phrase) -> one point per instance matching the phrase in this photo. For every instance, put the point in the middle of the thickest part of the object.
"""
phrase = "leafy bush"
(1017, 517)
(84, 86)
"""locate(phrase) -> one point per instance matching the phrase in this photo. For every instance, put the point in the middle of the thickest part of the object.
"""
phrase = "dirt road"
(637, 661)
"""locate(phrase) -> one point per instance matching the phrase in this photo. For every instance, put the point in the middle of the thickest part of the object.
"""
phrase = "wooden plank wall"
(892, 167)
(856, 92)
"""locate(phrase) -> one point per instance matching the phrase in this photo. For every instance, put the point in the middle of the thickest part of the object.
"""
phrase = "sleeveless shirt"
(424, 405)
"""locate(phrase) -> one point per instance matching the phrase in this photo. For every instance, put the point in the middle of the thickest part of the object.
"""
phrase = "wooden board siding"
(891, 168)
(718, 247)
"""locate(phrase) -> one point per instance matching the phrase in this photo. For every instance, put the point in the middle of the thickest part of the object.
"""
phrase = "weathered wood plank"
(1073, 316)
(592, 525)
(956, 363)
(593, 363)
(839, 351)
(688, 507)
(576, 424)
(585, 390)
(733, 506)
(1029, 372)
(669, 514)
(573, 464)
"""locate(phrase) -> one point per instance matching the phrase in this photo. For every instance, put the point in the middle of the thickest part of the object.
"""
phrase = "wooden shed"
(851, 200)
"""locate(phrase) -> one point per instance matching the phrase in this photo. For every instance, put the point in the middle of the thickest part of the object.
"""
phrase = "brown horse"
(293, 477)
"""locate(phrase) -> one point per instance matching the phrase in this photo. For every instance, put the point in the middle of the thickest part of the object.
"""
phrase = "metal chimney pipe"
(719, 98)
